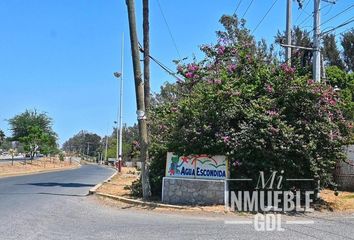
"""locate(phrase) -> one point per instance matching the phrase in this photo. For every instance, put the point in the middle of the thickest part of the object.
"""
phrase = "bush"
(240, 102)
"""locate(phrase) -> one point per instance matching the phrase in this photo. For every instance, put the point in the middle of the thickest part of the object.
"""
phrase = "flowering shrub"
(240, 102)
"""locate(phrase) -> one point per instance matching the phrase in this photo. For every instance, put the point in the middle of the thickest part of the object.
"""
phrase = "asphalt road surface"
(56, 206)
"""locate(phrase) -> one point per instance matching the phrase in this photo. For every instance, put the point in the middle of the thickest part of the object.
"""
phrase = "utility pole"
(146, 36)
(140, 100)
(117, 139)
(288, 31)
(106, 150)
(316, 67)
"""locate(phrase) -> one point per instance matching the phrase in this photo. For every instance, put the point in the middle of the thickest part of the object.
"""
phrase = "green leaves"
(34, 130)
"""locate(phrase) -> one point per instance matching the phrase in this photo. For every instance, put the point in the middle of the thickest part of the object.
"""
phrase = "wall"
(192, 191)
(344, 174)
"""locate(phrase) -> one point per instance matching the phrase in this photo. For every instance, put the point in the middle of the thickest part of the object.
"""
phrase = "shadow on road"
(56, 184)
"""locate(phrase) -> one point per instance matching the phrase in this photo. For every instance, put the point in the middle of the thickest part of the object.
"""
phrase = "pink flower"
(192, 67)
(274, 130)
(269, 88)
(189, 75)
(226, 139)
(310, 81)
(272, 113)
(287, 69)
(231, 68)
(174, 109)
(217, 81)
(221, 50)
(179, 68)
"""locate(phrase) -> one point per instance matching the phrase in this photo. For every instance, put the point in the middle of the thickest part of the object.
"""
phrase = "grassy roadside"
(119, 186)
(41, 165)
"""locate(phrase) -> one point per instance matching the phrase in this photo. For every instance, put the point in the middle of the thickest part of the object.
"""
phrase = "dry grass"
(118, 187)
(343, 202)
(44, 164)
(119, 183)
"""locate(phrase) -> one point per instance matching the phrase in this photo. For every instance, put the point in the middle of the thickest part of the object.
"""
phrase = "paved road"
(55, 206)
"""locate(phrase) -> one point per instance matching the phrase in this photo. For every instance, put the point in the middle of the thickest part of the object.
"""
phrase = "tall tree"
(331, 53)
(348, 49)
(84, 142)
(300, 57)
(34, 130)
(2, 137)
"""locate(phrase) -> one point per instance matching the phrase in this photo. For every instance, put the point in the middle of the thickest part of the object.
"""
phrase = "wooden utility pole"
(146, 54)
(140, 100)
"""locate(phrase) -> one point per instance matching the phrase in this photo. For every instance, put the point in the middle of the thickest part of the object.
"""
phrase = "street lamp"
(119, 75)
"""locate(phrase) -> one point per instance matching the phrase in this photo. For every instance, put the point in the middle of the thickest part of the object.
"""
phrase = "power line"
(161, 65)
(344, 31)
(265, 15)
(350, 20)
(337, 15)
(247, 8)
(238, 5)
(168, 28)
(303, 10)
(305, 20)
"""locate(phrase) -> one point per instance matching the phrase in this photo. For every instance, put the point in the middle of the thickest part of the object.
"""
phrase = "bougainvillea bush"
(241, 102)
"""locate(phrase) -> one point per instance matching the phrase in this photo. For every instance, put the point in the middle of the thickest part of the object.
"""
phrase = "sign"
(196, 166)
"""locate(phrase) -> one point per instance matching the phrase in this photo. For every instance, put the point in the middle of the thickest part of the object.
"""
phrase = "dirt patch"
(43, 164)
(343, 202)
(119, 186)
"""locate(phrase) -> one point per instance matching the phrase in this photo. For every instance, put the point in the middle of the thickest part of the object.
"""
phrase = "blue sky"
(59, 56)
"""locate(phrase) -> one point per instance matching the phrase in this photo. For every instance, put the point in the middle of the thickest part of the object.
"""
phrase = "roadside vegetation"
(241, 101)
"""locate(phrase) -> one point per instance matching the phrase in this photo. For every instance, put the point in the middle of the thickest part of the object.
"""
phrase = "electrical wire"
(265, 15)
(238, 5)
(247, 9)
(303, 10)
(161, 65)
(350, 20)
(168, 28)
(328, 20)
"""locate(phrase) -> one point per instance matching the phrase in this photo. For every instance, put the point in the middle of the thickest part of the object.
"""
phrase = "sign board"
(196, 166)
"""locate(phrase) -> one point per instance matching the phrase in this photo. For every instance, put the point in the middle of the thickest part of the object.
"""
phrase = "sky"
(58, 56)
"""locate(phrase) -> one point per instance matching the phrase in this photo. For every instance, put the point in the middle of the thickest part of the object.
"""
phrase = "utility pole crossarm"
(298, 47)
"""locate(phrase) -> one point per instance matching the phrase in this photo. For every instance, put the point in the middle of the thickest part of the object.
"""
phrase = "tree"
(263, 115)
(301, 58)
(2, 137)
(34, 130)
(85, 143)
(330, 51)
(348, 49)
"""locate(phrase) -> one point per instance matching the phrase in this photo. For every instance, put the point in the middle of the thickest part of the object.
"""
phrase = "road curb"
(139, 202)
(94, 189)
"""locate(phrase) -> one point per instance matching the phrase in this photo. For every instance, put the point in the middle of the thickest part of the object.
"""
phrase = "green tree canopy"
(348, 49)
(84, 142)
(331, 53)
(34, 130)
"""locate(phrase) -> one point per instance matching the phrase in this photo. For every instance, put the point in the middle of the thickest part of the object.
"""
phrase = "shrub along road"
(55, 206)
